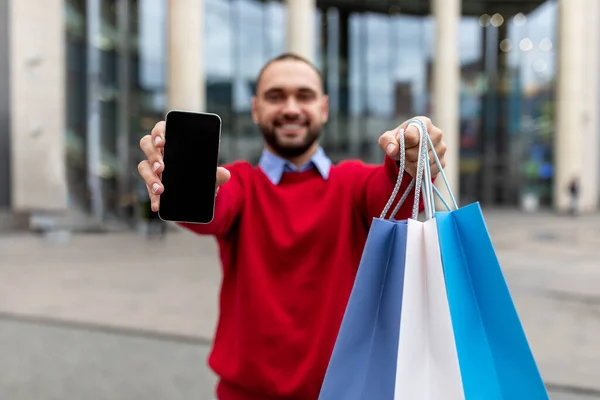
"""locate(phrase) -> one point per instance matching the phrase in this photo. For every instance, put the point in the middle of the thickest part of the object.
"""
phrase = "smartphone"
(191, 156)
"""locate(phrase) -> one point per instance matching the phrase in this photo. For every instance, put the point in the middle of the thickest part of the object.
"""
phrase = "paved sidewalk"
(49, 362)
(124, 284)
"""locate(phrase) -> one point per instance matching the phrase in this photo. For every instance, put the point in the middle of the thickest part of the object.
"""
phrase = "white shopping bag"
(427, 363)
(428, 367)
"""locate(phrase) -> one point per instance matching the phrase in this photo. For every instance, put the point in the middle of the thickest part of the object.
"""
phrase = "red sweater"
(289, 254)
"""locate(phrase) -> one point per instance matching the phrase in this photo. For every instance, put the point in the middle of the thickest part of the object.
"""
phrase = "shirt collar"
(274, 166)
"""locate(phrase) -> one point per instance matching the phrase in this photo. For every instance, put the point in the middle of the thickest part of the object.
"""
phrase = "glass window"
(532, 57)
(76, 102)
(240, 37)
(389, 63)
(149, 34)
(507, 102)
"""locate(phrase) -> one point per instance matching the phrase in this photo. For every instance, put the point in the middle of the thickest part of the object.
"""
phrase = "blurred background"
(91, 308)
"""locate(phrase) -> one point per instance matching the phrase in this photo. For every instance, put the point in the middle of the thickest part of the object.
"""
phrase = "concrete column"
(186, 86)
(576, 126)
(301, 29)
(37, 99)
(446, 86)
(591, 129)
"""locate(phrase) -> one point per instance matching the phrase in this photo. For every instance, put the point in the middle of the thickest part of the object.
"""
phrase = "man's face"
(290, 107)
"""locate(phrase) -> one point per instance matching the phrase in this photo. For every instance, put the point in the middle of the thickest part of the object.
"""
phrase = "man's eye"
(306, 96)
(274, 97)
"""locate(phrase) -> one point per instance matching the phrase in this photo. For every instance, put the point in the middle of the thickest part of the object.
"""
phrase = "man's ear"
(254, 111)
(325, 108)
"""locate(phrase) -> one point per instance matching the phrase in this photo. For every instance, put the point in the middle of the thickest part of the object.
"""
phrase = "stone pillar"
(591, 129)
(576, 136)
(446, 86)
(301, 29)
(186, 86)
(37, 101)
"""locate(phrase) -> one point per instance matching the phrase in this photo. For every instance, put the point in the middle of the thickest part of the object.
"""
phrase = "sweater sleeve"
(228, 205)
(375, 186)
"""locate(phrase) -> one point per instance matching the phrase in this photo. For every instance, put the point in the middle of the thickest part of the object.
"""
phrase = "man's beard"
(290, 150)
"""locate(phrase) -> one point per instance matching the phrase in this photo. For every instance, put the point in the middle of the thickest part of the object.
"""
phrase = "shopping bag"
(363, 362)
(495, 358)
(427, 361)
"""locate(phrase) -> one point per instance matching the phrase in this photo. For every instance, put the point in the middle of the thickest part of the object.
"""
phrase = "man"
(291, 232)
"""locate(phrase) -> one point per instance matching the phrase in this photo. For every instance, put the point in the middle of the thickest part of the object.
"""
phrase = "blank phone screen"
(190, 158)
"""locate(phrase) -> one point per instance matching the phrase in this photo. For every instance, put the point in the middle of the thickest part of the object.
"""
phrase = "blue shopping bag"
(363, 362)
(495, 359)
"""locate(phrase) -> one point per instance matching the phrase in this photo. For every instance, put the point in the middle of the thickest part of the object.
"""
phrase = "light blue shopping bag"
(495, 359)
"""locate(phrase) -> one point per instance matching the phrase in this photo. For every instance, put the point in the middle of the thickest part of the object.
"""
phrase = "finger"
(435, 135)
(412, 154)
(154, 200)
(412, 160)
(158, 134)
(147, 146)
(155, 157)
(440, 151)
(434, 171)
(151, 179)
(411, 169)
(389, 144)
(153, 153)
(223, 176)
(411, 137)
(412, 151)
(435, 167)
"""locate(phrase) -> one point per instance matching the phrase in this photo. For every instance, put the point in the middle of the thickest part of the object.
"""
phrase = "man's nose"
(291, 107)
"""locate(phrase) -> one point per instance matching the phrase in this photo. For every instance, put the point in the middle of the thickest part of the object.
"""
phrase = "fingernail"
(390, 148)
(156, 166)
(155, 187)
(157, 140)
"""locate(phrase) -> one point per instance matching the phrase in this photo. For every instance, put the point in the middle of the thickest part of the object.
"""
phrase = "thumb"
(389, 144)
(223, 176)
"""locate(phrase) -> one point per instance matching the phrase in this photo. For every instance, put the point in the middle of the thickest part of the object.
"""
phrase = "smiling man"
(290, 129)
(291, 232)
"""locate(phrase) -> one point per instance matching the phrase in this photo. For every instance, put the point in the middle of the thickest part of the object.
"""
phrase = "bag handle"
(400, 176)
(431, 188)
(421, 172)
(422, 183)
(416, 182)
(442, 174)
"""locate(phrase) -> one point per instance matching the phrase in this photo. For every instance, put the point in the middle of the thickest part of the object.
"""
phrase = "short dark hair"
(289, 56)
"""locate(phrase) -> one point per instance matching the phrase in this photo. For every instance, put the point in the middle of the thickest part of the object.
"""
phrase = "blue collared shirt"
(274, 166)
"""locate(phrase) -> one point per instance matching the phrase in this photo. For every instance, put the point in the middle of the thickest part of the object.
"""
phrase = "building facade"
(514, 86)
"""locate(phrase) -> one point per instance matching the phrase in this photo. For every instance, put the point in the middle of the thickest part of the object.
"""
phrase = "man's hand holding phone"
(151, 169)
